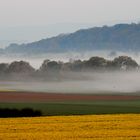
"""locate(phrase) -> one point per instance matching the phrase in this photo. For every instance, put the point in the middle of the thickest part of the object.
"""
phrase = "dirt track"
(45, 97)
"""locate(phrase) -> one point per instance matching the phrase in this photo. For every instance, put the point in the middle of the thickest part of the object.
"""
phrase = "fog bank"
(96, 82)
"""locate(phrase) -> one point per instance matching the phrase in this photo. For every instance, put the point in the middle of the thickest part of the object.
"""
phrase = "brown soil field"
(46, 97)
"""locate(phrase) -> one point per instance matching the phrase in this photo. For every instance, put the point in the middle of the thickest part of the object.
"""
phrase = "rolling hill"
(120, 37)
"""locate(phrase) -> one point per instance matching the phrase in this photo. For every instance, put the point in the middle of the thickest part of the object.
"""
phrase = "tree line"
(51, 68)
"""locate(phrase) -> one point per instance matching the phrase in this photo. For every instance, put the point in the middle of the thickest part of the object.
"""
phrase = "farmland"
(72, 116)
(51, 104)
(72, 127)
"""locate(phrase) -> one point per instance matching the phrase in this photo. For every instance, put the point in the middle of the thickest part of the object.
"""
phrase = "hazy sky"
(35, 19)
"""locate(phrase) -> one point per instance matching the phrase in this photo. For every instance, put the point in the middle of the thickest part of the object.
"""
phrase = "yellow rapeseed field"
(121, 127)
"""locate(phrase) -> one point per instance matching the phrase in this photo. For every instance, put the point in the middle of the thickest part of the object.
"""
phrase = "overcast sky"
(22, 20)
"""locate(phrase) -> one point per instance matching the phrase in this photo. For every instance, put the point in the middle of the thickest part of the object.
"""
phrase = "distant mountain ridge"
(120, 37)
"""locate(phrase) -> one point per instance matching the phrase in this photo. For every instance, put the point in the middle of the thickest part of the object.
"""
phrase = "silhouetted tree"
(26, 112)
(20, 67)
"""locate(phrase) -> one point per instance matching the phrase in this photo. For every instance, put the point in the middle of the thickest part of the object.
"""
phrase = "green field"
(79, 108)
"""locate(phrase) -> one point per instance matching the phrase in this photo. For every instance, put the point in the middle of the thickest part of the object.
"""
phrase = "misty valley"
(69, 69)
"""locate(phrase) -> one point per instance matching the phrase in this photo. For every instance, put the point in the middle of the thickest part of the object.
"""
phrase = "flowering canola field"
(119, 127)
